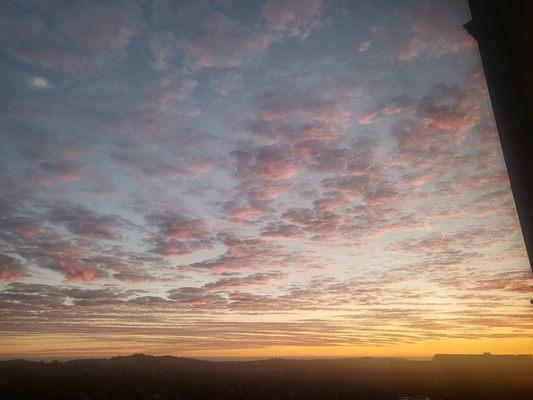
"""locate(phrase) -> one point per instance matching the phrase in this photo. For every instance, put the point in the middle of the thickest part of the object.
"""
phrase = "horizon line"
(251, 358)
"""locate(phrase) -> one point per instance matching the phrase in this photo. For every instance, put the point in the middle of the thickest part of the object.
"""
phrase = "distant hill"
(141, 376)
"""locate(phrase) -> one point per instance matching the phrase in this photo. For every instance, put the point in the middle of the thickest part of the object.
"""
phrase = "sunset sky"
(294, 178)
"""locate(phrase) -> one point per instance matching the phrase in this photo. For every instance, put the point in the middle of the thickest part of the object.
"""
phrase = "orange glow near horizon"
(77, 346)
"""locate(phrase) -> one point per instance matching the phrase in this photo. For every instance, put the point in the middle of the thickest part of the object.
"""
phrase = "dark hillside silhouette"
(149, 377)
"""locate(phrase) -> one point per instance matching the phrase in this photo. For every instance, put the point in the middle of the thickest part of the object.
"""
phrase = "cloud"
(125, 266)
(86, 223)
(322, 224)
(227, 83)
(464, 240)
(18, 228)
(356, 158)
(10, 268)
(193, 296)
(243, 214)
(241, 254)
(178, 234)
(298, 129)
(295, 18)
(95, 297)
(73, 241)
(280, 231)
(279, 105)
(364, 46)
(391, 106)
(428, 30)
(27, 297)
(213, 40)
(68, 259)
(269, 163)
(263, 278)
(331, 203)
(62, 170)
(170, 158)
(211, 294)
(436, 125)
(81, 38)
(178, 226)
(166, 247)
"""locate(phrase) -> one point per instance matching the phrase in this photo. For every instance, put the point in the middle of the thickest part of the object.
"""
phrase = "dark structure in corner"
(504, 32)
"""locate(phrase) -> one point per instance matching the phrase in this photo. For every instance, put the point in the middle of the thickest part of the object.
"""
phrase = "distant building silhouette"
(482, 357)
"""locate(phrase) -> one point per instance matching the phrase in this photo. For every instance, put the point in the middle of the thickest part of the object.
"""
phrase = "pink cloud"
(83, 37)
(242, 254)
(440, 123)
(62, 170)
(295, 18)
(392, 106)
(214, 40)
(364, 46)
(128, 273)
(250, 280)
(171, 247)
(368, 118)
(159, 167)
(384, 193)
(281, 231)
(178, 234)
(210, 39)
(300, 216)
(178, 226)
(10, 269)
(417, 43)
(332, 203)
(404, 223)
(457, 244)
(86, 223)
(68, 259)
(428, 30)
(268, 162)
(276, 106)
(241, 215)
(196, 168)
(324, 225)
(22, 227)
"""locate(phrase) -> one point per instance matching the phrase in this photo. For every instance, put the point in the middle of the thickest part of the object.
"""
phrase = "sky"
(218, 179)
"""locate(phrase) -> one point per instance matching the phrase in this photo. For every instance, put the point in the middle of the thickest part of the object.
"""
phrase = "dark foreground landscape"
(147, 377)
